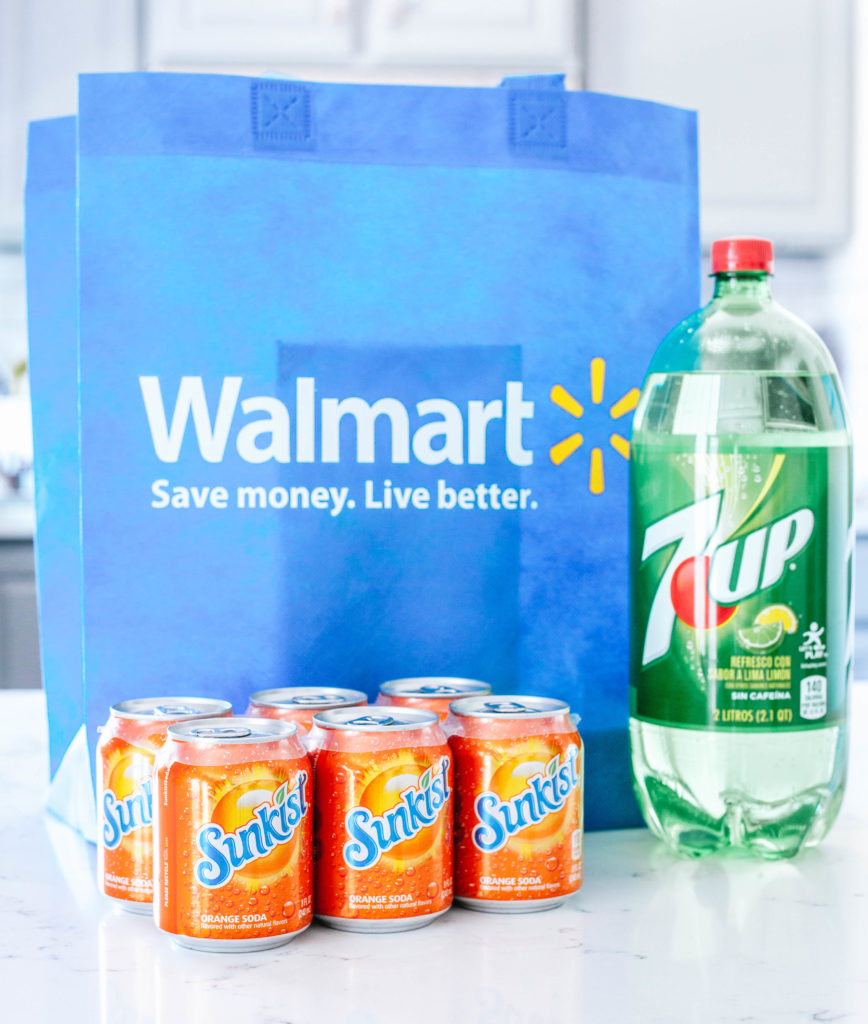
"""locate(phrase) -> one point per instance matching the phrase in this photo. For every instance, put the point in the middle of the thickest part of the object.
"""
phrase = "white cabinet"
(44, 44)
(189, 32)
(367, 40)
(481, 32)
(772, 81)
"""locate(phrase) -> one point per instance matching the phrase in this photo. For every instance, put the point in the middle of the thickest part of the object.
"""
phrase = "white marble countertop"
(649, 938)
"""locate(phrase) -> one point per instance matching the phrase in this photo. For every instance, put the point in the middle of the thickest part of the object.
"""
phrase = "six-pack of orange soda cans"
(236, 831)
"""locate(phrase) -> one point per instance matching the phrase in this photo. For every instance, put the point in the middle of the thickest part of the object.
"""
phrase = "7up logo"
(704, 580)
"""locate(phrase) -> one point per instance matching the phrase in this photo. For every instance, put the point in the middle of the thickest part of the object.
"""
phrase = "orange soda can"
(519, 779)
(431, 693)
(382, 818)
(300, 703)
(135, 731)
(232, 834)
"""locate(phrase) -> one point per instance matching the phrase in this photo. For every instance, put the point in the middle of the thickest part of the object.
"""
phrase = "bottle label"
(741, 566)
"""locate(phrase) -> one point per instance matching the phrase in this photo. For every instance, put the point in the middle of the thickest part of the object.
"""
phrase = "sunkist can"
(232, 834)
(518, 802)
(383, 818)
(135, 731)
(300, 703)
(430, 693)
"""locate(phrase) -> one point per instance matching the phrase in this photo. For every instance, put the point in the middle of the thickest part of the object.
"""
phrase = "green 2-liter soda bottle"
(741, 574)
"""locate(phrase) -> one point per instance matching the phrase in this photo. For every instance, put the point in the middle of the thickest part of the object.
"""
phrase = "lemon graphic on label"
(761, 639)
(778, 613)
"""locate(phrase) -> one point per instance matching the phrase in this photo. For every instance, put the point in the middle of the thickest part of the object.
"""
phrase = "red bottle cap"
(733, 254)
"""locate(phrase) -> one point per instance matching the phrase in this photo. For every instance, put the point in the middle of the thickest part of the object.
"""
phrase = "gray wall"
(19, 638)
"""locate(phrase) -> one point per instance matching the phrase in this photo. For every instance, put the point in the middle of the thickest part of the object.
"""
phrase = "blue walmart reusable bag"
(357, 366)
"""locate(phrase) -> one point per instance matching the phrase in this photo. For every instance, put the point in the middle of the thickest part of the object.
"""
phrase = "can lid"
(309, 697)
(434, 686)
(729, 255)
(177, 708)
(374, 719)
(508, 707)
(233, 730)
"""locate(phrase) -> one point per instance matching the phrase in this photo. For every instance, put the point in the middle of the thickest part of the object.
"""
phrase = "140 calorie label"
(741, 570)
(518, 817)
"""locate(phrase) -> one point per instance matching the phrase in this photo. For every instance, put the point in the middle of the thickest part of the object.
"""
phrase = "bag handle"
(531, 121)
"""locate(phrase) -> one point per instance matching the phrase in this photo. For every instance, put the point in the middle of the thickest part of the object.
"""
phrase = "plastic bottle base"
(773, 831)
(705, 806)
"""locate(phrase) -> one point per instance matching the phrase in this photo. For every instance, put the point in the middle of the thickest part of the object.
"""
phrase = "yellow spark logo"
(561, 451)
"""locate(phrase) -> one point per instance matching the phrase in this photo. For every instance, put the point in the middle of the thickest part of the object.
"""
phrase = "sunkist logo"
(274, 823)
(419, 806)
(704, 580)
(545, 793)
(121, 817)
(451, 434)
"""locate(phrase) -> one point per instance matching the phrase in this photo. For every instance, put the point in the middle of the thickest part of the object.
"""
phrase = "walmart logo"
(561, 451)
(432, 432)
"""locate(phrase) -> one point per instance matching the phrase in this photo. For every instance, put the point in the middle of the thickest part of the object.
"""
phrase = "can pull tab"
(382, 720)
(175, 709)
(221, 732)
(507, 707)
